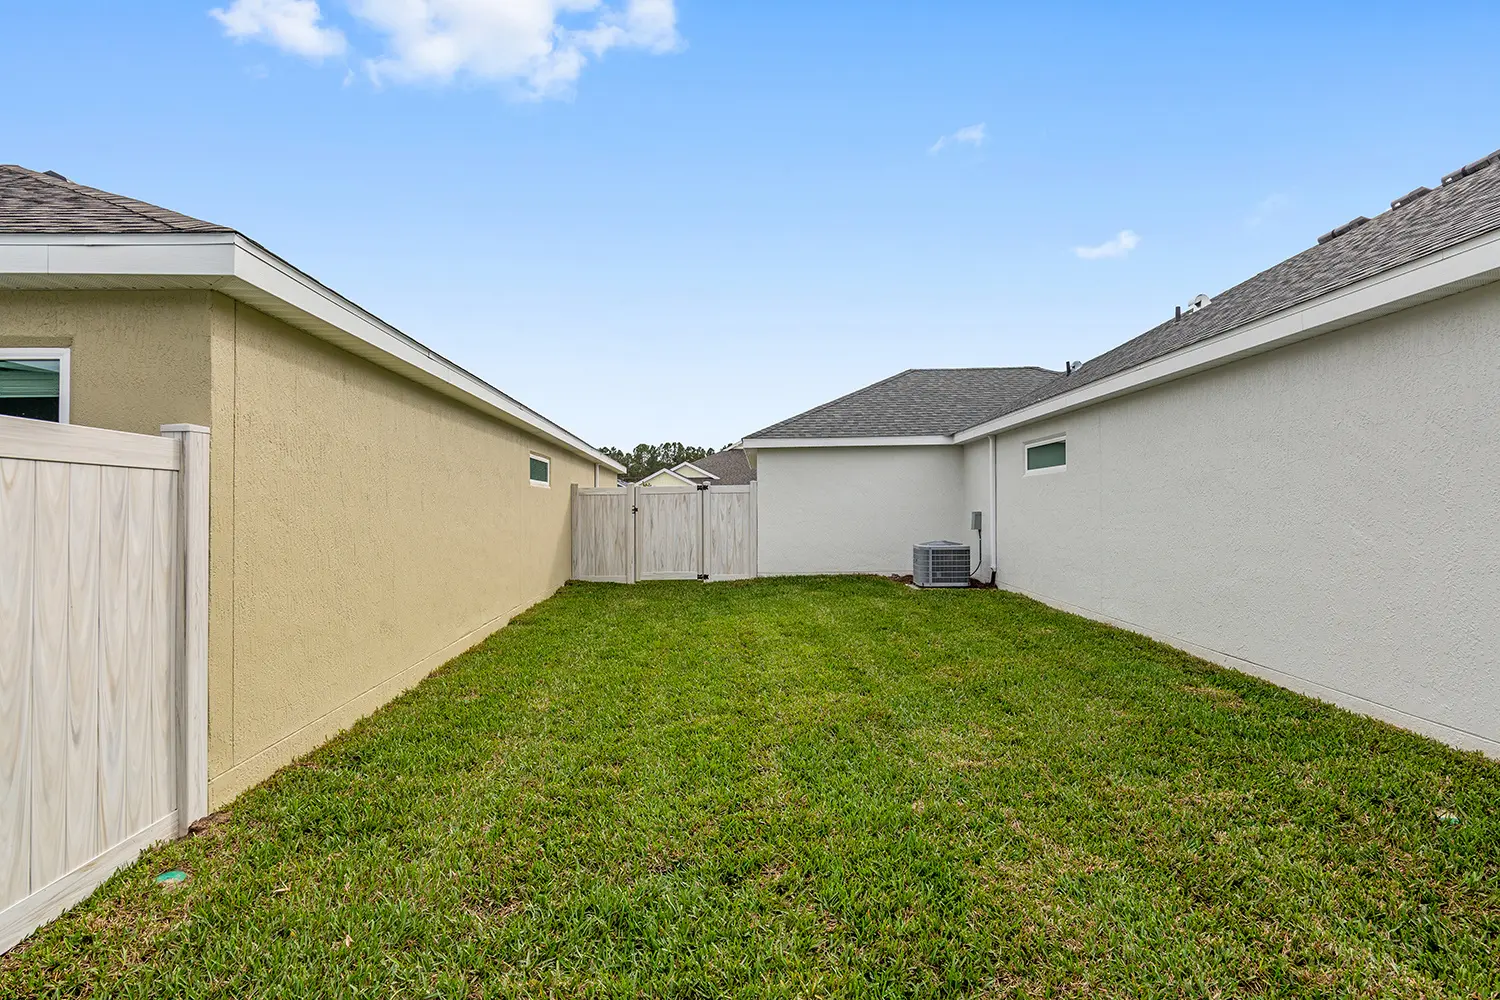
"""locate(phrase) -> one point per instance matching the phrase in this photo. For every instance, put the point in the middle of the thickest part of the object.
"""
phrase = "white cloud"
(292, 25)
(1270, 205)
(1121, 245)
(540, 45)
(972, 135)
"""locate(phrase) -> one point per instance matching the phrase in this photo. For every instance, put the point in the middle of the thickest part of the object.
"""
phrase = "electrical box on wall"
(976, 521)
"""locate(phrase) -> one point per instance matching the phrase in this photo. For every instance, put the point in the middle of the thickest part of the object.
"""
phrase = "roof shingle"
(730, 465)
(916, 403)
(32, 202)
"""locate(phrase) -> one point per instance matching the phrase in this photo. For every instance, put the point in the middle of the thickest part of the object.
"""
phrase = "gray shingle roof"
(32, 202)
(1462, 208)
(730, 465)
(917, 402)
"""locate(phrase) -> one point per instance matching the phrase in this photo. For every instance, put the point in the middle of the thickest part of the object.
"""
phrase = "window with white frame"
(1047, 456)
(541, 470)
(34, 383)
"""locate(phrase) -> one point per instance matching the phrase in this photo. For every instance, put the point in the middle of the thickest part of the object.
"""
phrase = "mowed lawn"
(820, 787)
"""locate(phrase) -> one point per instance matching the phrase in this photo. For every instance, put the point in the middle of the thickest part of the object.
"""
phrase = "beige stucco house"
(374, 508)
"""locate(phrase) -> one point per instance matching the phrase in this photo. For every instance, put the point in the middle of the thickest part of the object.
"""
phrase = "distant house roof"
(730, 466)
(927, 402)
(32, 202)
(672, 473)
(693, 471)
(918, 402)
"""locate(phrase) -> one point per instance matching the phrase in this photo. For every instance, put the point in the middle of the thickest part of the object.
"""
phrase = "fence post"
(703, 504)
(573, 521)
(192, 691)
(754, 532)
(630, 501)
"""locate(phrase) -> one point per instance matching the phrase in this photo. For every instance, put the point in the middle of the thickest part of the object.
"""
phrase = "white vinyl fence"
(630, 533)
(103, 655)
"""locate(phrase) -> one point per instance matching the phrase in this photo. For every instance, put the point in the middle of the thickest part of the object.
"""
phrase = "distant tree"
(644, 459)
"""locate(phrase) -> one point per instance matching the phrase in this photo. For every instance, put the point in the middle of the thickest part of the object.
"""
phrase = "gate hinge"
(703, 486)
(635, 510)
(703, 576)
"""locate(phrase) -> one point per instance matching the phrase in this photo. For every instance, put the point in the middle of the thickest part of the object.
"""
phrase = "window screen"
(1047, 456)
(31, 388)
(540, 470)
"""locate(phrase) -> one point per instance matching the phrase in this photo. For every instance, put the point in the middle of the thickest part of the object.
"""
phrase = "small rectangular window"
(1046, 455)
(34, 383)
(541, 471)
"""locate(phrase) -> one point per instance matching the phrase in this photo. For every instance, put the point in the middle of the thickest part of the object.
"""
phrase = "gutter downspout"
(994, 511)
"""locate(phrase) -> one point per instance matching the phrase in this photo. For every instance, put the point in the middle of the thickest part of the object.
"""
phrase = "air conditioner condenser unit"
(940, 564)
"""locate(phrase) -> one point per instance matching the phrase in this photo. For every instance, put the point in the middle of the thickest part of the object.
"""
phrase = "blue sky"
(683, 221)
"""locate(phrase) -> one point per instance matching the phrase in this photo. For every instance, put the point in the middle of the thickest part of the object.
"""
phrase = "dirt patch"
(209, 822)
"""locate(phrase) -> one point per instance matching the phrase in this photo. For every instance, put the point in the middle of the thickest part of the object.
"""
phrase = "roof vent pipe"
(1179, 313)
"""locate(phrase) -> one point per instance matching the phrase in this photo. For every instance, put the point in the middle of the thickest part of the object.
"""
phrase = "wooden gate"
(103, 653)
(630, 533)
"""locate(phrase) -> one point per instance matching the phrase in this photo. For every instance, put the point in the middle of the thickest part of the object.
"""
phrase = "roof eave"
(242, 269)
(920, 440)
(690, 465)
(1456, 269)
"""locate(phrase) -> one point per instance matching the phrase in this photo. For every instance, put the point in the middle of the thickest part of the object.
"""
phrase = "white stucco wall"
(1326, 515)
(856, 510)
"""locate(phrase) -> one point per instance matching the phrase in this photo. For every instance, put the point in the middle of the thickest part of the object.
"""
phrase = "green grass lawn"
(820, 787)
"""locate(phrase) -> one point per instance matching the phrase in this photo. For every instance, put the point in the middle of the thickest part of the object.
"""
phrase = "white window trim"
(1026, 447)
(64, 357)
(537, 482)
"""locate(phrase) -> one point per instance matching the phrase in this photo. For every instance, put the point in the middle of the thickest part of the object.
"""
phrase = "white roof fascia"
(244, 270)
(767, 444)
(670, 472)
(1447, 272)
(689, 465)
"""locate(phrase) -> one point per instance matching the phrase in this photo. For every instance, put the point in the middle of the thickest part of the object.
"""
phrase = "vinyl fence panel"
(92, 619)
(729, 533)
(602, 542)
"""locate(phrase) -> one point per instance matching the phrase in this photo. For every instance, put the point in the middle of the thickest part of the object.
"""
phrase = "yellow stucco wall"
(363, 529)
(377, 529)
(140, 359)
